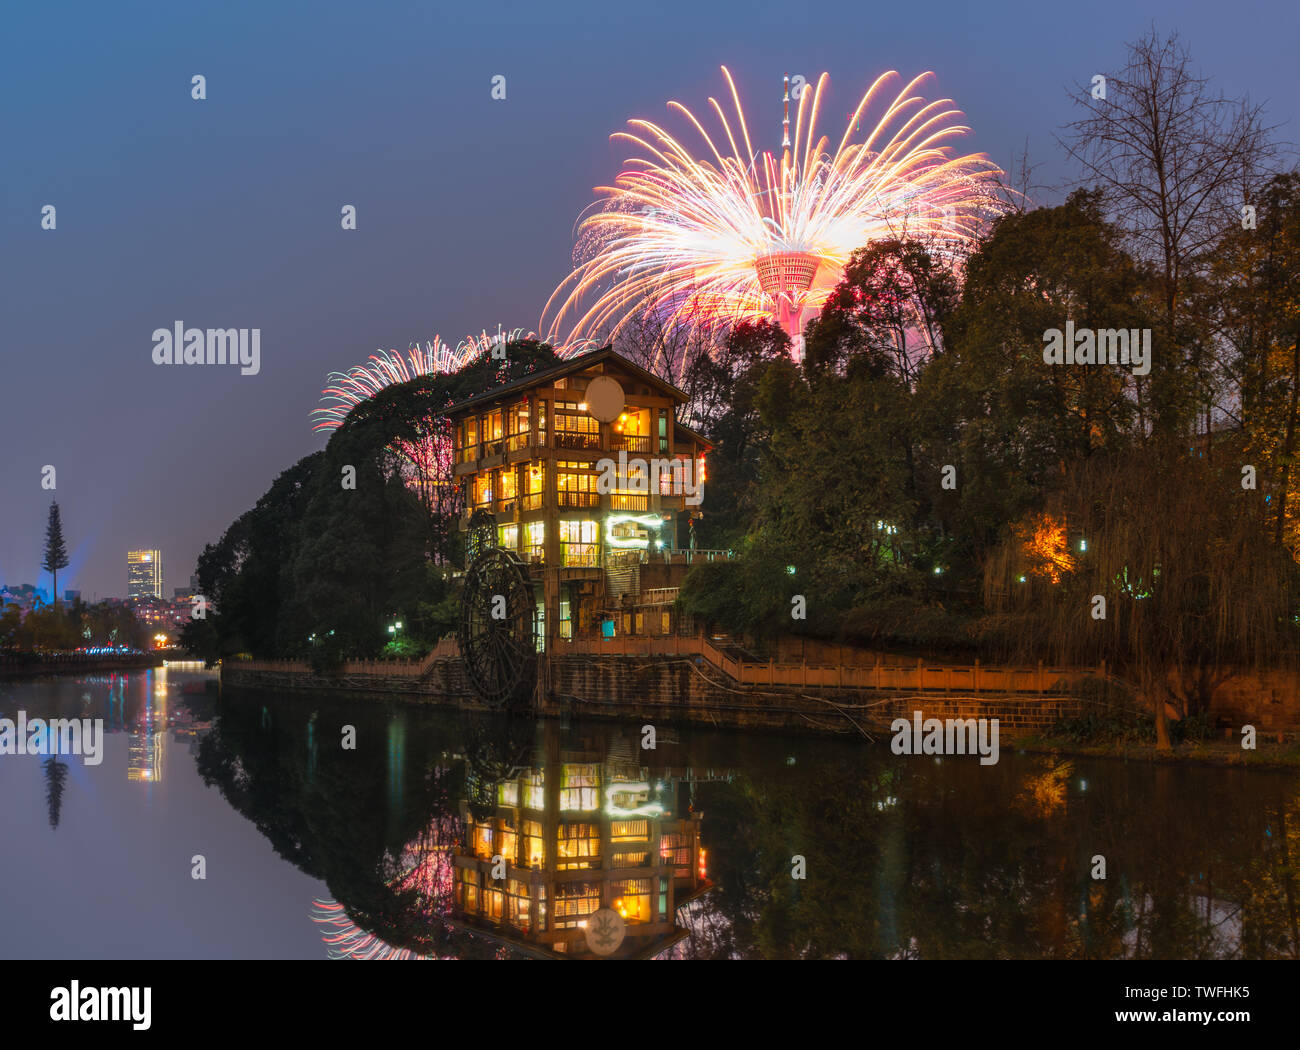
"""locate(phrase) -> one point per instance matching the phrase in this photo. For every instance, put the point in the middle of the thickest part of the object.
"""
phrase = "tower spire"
(785, 123)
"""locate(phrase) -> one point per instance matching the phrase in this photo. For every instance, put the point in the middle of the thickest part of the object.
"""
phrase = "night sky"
(225, 212)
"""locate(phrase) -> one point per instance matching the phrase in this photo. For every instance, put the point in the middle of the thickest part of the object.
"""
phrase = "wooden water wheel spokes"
(498, 641)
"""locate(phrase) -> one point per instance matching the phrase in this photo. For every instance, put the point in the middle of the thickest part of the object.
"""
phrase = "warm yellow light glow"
(1046, 547)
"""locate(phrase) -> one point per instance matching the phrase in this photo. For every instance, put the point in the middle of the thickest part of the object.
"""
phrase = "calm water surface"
(313, 850)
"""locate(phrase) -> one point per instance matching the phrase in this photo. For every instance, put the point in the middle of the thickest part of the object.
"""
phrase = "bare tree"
(1174, 159)
(673, 352)
(1172, 156)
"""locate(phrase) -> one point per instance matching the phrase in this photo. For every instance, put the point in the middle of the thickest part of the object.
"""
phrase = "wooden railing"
(577, 498)
(630, 443)
(919, 677)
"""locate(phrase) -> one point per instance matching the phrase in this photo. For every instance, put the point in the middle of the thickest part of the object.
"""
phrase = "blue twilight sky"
(225, 212)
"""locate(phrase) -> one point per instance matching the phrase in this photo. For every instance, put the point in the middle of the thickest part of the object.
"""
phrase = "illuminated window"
(493, 903)
(506, 488)
(578, 542)
(628, 831)
(631, 899)
(675, 851)
(483, 838)
(631, 860)
(576, 846)
(534, 855)
(580, 787)
(635, 480)
(535, 791)
(574, 901)
(506, 842)
(569, 417)
(508, 793)
(518, 905)
(469, 890)
(508, 537)
(576, 485)
(534, 486)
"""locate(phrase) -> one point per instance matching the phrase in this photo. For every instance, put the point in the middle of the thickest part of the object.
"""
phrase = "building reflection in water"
(144, 751)
(570, 832)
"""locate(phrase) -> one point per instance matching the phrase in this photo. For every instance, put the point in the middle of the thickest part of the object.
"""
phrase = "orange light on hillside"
(1047, 548)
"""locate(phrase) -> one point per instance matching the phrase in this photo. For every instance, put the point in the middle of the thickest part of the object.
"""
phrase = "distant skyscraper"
(144, 574)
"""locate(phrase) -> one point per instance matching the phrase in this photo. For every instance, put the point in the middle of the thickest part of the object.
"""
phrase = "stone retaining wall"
(667, 689)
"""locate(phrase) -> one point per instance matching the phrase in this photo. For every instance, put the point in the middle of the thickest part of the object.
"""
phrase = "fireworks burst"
(741, 235)
(346, 390)
(425, 462)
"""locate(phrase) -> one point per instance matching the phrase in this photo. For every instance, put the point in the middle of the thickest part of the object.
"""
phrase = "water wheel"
(498, 636)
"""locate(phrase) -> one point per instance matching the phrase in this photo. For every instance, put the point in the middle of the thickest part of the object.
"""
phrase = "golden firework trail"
(727, 234)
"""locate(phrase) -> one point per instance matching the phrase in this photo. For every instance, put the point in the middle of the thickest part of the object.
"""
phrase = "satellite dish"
(605, 931)
(605, 399)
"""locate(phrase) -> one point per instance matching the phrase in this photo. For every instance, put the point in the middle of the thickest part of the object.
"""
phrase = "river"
(240, 825)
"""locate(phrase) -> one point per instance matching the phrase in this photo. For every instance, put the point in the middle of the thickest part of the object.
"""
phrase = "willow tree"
(1162, 567)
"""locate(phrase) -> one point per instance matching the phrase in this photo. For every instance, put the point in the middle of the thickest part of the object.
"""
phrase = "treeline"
(923, 478)
(71, 625)
(349, 542)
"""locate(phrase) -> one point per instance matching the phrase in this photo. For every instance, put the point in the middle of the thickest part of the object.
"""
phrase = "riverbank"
(1266, 755)
(35, 665)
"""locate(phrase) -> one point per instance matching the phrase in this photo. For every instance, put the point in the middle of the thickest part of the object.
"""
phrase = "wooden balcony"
(579, 499)
(630, 443)
(568, 439)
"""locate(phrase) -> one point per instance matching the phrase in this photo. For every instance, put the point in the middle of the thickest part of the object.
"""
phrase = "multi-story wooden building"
(597, 501)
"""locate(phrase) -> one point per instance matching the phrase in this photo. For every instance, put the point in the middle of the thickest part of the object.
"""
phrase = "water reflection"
(576, 848)
(690, 844)
(905, 857)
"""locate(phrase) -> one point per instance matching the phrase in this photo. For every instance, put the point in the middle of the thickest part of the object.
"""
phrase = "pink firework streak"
(426, 463)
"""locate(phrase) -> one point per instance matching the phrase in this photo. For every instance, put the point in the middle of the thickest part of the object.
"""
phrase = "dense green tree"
(355, 538)
(727, 385)
(990, 406)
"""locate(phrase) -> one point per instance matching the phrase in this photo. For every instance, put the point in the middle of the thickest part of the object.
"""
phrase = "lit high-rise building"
(144, 574)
